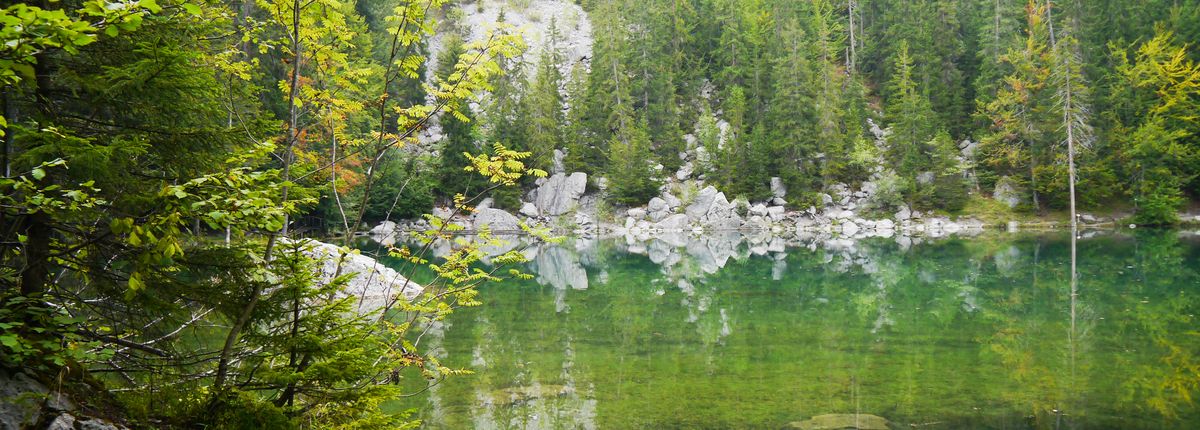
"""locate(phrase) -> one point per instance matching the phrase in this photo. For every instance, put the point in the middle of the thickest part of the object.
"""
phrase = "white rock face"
(673, 223)
(533, 21)
(375, 286)
(710, 208)
(672, 201)
(560, 194)
(636, 213)
(529, 209)
(658, 209)
(849, 228)
(776, 213)
(497, 220)
(777, 188)
(685, 171)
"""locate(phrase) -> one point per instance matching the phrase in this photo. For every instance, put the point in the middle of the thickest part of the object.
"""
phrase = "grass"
(993, 212)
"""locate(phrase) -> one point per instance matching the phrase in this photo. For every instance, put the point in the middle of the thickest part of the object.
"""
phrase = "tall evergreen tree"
(458, 131)
(632, 177)
(544, 103)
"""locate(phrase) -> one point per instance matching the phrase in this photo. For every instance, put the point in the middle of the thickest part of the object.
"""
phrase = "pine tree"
(910, 117)
(544, 104)
(632, 177)
(1020, 113)
(791, 111)
(459, 133)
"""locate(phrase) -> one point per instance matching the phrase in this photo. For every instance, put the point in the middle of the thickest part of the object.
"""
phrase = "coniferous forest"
(164, 159)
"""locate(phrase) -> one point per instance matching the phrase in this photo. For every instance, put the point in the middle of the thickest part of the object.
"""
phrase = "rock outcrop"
(560, 193)
(496, 220)
(376, 284)
(26, 403)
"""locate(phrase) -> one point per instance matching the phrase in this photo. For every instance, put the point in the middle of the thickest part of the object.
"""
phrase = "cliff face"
(532, 19)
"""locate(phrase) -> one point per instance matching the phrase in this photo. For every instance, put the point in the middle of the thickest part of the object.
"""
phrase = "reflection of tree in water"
(956, 332)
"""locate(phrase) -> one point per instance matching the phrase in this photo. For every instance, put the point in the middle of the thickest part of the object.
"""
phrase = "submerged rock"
(515, 395)
(842, 422)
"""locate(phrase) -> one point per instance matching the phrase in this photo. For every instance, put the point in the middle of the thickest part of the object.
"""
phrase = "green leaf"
(192, 9)
(38, 173)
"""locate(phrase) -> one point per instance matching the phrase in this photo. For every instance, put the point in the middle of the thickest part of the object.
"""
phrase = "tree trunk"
(36, 272)
(256, 292)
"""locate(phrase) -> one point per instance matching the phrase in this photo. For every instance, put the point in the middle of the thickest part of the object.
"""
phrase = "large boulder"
(673, 223)
(529, 209)
(658, 209)
(704, 201)
(376, 284)
(384, 228)
(1007, 192)
(685, 171)
(498, 221)
(559, 157)
(672, 201)
(711, 209)
(778, 189)
(560, 193)
(776, 213)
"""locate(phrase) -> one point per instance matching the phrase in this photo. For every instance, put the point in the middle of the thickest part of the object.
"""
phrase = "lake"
(734, 332)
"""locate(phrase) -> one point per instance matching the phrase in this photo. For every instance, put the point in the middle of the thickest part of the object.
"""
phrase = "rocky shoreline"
(561, 204)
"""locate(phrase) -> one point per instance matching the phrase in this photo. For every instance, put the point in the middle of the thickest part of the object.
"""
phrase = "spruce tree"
(632, 177)
(459, 133)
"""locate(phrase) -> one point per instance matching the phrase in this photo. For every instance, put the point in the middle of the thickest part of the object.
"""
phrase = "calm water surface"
(728, 332)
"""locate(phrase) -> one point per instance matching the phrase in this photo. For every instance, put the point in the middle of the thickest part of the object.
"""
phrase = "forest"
(163, 158)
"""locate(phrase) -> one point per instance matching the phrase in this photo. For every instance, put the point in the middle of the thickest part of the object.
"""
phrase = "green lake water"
(730, 332)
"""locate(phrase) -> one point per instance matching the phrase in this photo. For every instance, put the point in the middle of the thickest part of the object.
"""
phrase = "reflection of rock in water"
(1007, 260)
(559, 267)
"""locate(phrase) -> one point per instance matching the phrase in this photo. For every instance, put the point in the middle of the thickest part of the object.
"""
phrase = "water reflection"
(737, 331)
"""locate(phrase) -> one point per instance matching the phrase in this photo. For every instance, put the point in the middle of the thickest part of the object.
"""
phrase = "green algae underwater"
(744, 332)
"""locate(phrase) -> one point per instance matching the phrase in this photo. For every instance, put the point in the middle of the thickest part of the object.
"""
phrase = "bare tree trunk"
(850, 59)
(10, 114)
